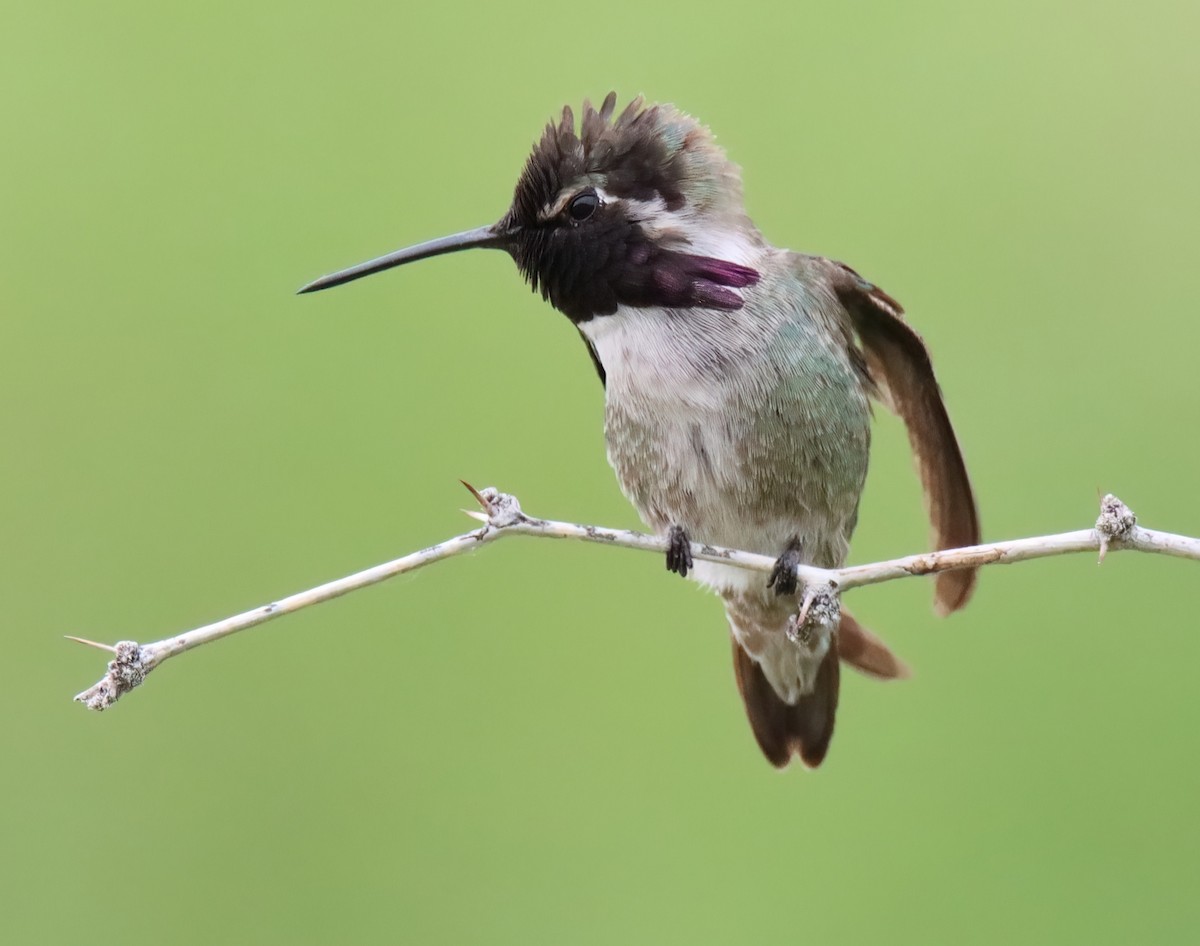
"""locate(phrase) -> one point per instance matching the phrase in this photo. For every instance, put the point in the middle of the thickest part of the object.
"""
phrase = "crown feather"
(647, 153)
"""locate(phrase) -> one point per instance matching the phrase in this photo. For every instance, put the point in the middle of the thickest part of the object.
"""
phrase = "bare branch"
(1115, 530)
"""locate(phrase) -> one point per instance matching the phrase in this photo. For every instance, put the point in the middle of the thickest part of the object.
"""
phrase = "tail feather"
(783, 729)
(866, 653)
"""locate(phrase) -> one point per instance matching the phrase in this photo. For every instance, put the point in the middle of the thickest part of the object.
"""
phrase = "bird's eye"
(583, 205)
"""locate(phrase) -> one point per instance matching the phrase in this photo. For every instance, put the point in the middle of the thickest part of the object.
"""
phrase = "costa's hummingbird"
(737, 383)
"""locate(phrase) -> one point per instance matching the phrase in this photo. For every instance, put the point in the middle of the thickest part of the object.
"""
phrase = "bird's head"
(639, 210)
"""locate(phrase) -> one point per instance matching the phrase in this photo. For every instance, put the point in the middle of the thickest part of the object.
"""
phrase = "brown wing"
(899, 365)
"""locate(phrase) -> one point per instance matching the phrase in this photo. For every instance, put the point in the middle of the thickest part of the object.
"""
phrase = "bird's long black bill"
(487, 237)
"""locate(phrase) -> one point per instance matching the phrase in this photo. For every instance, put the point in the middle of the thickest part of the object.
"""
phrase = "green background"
(542, 743)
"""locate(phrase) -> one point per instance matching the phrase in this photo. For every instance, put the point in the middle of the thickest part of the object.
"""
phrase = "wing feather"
(899, 365)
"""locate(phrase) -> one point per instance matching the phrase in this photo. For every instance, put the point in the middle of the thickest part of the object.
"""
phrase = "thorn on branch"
(83, 640)
(1116, 523)
(125, 671)
(479, 497)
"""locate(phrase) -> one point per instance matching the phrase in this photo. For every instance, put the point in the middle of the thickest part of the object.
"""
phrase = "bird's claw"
(783, 575)
(679, 551)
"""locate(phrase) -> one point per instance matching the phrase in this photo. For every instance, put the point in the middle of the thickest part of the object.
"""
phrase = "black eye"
(583, 205)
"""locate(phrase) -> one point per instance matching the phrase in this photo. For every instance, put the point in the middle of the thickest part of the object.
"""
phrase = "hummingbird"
(738, 379)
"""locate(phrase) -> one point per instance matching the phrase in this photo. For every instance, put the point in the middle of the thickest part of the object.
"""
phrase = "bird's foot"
(783, 575)
(679, 551)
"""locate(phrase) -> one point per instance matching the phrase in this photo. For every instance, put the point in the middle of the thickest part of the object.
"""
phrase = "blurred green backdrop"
(543, 743)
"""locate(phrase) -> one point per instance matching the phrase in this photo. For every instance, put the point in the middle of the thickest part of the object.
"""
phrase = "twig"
(1115, 530)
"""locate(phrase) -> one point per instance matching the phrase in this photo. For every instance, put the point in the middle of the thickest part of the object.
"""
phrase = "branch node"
(1116, 523)
(126, 670)
(503, 509)
(821, 608)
